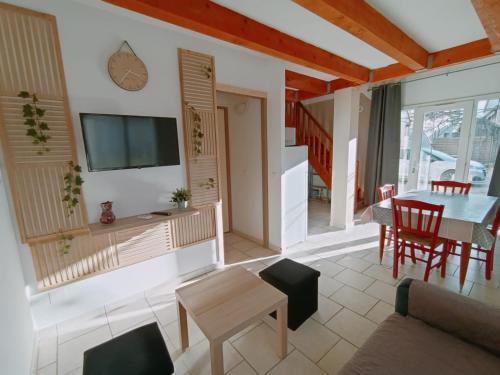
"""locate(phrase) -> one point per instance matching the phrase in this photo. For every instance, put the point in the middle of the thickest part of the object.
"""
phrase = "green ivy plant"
(207, 70)
(197, 133)
(64, 243)
(209, 184)
(72, 187)
(37, 128)
(181, 195)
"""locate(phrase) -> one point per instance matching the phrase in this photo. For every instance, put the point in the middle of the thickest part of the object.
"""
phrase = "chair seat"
(420, 240)
(140, 351)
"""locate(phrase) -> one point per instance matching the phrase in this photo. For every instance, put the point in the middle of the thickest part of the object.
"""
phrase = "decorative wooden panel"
(197, 77)
(88, 255)
(94, 254)
(30, 60)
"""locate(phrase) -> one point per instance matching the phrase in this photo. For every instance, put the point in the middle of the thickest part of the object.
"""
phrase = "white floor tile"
(380, 312)
(242, 369)
(326, 309)
(326, 267)
(383, 291)
(81, 325)
(122, 317)
(164, 307)
(327, 286)
(382, 273)
(354, 263)
(48, 370)
(351, 326)
(194, 332)
(355, 279)
(336, 358)
(354, 299)
(47, 351)
(296, 364)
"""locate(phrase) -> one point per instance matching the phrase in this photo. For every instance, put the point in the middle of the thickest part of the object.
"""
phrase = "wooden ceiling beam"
(211, 19)
(364, 22)
(489, 14)
(340, 83)
(305, 83)
(290, 95)
(455, 55)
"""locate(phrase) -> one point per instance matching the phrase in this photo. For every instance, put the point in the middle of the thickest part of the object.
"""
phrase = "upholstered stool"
(141, 351)
(299, 283)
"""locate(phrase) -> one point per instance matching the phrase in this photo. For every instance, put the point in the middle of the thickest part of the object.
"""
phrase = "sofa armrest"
(453, 313)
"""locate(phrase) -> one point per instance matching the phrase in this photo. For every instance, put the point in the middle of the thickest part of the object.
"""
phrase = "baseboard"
(34, 354)
(248, 237)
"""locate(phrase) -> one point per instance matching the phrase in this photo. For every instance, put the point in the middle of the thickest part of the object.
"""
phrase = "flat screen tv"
(121, 142)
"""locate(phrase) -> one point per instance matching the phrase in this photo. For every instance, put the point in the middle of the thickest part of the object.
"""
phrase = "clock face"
(127, 71)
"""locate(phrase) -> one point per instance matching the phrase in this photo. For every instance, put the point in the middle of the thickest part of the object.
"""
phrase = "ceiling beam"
(455, 55)
(290, 95)
(340, 83)
(305, 83)
(489, 14)
(211, 19)
(366, 23)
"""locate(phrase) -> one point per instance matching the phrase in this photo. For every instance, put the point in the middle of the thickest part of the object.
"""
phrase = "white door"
(222, 145)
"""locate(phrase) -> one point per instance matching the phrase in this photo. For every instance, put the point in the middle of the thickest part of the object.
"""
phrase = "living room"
(98, 247)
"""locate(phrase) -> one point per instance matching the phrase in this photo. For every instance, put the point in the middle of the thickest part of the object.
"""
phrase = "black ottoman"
(138, 352)
(300, 284)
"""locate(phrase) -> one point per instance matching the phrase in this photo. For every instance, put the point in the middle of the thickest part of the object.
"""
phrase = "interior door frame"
(461, 169)
(262, 96)
(228, 167)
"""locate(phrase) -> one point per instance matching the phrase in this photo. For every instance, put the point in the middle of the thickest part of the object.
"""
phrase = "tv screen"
(120, 142)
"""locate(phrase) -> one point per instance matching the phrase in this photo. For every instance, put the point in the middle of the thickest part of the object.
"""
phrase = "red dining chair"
(416, 225)
(385, 192)
(454, 187)
(488, 253)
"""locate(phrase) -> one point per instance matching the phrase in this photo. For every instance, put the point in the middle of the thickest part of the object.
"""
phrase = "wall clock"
(127, 70)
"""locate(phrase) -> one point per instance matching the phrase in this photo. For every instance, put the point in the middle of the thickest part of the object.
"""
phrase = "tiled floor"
(356, 294)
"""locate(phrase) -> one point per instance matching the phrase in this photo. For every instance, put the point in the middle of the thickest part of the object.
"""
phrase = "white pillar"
(345, 134)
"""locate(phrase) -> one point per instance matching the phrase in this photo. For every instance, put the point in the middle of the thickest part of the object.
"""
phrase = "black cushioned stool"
(138, 352)
(300, 284)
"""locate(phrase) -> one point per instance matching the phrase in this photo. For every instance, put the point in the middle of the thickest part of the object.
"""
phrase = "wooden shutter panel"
(197, 78)
(30, 60)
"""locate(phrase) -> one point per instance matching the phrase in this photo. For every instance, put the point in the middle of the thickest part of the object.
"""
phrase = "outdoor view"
(440, 144)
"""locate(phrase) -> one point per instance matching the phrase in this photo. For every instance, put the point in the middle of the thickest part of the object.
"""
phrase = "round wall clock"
(127, 70)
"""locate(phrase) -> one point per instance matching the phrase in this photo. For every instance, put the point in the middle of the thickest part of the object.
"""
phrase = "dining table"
(465, 218)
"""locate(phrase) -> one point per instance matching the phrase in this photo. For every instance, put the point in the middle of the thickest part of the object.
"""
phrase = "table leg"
(183, 326)
(216, 358)
(464, 262)
(282, 324)
(381, 242)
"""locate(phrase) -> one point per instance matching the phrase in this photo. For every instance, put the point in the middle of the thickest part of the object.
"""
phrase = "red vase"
(107, 215)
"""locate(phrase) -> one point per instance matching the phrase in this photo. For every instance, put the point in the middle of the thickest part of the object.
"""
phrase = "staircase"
(309, 132)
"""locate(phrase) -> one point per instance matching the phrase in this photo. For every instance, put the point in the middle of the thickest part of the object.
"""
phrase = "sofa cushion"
(404, 345)
(460, 316)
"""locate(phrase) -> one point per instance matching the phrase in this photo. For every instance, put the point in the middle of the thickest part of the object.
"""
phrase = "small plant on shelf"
(207, 70)
(209, 184)
(37, 128)
(181, 197)
(197, 134)
(64, 243)
(72, 187)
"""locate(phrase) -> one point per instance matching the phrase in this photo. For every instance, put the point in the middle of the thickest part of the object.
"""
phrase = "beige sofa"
(433, 331)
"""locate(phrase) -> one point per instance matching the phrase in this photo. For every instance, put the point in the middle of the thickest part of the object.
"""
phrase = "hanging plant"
(209, 184)
(64, 243)
(37, 128)
(207, 70)
(197, 134)
(72, 187)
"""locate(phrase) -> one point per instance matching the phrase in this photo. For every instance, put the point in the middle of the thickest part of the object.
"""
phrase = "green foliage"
(207, 70)
(181, 195)
(64, 243)
(37, 128)
(209, 184)
(72, 187)
(197, 134)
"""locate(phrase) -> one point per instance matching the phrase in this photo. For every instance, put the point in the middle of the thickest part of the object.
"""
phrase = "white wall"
(245, 147)
(482, 80)
(90, 31)
(16, 325)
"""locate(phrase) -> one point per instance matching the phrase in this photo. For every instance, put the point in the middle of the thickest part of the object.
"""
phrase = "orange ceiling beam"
(305, 83)
(340, 83)
(489, 14)
(211, 19)
(290, 95)
(364, 22)
(455, 55)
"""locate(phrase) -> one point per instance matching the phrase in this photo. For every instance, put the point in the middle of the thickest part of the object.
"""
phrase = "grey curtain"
(382, 158)
(494, 189)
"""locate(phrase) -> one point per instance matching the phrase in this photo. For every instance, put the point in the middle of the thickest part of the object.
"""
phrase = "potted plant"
(181, 197)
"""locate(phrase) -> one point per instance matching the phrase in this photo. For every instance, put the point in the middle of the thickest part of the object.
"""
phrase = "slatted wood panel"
(30, 60)
(91, 255)
(198, 92)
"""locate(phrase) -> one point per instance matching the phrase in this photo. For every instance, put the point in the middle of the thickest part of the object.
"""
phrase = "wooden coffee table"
(225, 303)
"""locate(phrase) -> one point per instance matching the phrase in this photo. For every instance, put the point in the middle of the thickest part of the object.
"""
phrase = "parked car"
(441, 167)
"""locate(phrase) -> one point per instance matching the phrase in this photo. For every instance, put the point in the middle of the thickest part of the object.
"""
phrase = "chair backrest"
(385, 192)
(454, 187)
(496, 223)
(416, 218)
